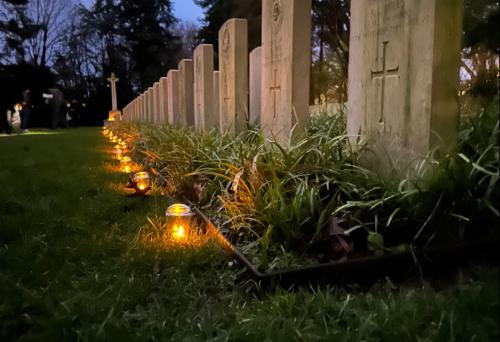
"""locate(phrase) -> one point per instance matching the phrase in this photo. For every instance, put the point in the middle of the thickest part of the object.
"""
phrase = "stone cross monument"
(114, 103)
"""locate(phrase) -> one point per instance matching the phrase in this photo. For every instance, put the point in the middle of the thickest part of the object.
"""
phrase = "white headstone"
(143, 107)
(403, 75)
(255, 84)
(205, 118)
(286, 57)
(156, 102)
(163, 100)
(150, 105)
(216, 100)
(233, 65)
(173, 97)
(186, 92)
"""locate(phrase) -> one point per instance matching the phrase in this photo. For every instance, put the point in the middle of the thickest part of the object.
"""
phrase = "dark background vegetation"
(46, 43)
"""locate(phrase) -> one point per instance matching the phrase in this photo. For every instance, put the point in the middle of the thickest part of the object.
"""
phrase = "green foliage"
(297, 199)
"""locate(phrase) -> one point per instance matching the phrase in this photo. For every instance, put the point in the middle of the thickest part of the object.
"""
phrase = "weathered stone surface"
(150, 105)
(114, 100)
(217, 95)
(146, 98)
(255, 84)
(137, 112)
(143, 106)
(205, 118)
(403, 76)
(286, 58)
(186, 92)
(173, 97)
(233, 65)
(156, 102)
(163, 100)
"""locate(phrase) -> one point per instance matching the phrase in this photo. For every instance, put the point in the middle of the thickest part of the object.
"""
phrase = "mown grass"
(74, 266)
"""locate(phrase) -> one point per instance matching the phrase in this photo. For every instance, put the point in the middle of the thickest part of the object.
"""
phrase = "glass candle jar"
(141, 180)
(179, 220)
(126, 164)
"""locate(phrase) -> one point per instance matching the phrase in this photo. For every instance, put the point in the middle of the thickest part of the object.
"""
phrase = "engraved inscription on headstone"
(233, 63)
(381, 75)
(274, 88)
(226, 47)
(286, 41)
(403, 76)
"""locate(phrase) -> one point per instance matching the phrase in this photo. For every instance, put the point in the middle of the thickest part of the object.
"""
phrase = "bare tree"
(15, 29)
(53, 17)
(187, 31)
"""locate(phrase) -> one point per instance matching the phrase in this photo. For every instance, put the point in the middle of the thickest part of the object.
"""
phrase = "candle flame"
(179, 232)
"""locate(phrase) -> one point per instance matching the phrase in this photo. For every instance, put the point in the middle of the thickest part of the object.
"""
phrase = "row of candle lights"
(178, 215)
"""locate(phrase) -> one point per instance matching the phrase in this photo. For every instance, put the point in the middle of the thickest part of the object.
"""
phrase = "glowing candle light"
(126, 164)
(179, 220)
(118, 152)
(141, 179)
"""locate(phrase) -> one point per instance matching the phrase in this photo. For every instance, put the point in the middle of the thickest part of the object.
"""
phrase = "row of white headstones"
(403, 77)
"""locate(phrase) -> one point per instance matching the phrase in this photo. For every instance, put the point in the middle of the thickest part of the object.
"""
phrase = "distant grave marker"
(205, 117)
(173, 97)
(233, 65)
(163, 100)
(186, 92)
(156, 102)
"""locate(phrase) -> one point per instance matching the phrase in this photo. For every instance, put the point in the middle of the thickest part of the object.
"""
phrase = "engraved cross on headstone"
(383, 75)
(227, 98)
(199, 110)
(274, 88)
(113, 79)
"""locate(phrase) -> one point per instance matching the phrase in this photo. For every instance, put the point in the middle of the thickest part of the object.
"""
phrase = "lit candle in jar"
(126, 164)
(179, 220)
(141, 180)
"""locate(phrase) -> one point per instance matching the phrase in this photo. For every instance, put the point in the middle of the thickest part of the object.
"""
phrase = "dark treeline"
(55, 43)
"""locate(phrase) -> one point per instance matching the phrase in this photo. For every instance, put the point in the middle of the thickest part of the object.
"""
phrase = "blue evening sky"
(183, 9)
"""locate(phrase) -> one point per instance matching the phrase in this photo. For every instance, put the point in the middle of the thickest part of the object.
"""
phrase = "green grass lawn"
(73, 268)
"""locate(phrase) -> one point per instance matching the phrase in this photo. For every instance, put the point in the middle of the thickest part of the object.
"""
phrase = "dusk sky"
(183, 9)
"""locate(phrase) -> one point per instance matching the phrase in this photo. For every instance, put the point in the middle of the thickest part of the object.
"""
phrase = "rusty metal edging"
(362, 270)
